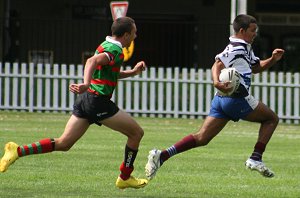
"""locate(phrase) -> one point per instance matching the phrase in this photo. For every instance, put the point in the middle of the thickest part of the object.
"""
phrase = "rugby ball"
(230, 75)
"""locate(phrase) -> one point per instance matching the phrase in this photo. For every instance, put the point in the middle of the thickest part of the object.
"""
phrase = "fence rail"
(161, 92)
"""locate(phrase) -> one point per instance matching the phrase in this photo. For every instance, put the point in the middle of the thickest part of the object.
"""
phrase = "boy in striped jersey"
(239, 105)
(93, 105)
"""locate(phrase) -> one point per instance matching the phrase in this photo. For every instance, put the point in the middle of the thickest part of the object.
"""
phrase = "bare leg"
(74, 130)
(268, 120)
(124, 123)
(210, 128)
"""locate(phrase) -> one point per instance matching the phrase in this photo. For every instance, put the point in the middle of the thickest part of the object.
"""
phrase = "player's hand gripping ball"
(233, 77)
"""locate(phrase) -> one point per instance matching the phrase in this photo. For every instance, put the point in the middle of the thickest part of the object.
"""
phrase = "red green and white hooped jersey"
(105, 77)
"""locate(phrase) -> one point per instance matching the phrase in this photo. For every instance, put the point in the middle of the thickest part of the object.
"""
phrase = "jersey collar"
(111, 40)
(237, 40)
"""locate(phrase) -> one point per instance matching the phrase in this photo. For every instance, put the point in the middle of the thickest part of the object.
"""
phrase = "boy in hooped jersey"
(239, 105)
(93, 105)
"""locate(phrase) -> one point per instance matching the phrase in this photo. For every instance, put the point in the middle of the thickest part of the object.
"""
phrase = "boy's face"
(130, 37)
(250, 33)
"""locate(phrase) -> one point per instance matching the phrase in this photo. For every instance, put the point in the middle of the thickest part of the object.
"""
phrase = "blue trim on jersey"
(247, 80)
(239, 54)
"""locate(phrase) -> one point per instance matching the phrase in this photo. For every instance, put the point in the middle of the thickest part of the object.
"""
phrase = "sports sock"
(127, 165)
(125, 171)
(42, 146)
(184, 144)
(259, 149)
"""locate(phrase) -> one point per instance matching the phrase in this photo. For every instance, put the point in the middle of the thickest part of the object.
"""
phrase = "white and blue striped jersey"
(239, 54)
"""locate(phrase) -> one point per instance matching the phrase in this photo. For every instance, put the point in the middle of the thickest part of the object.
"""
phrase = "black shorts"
(94, 108)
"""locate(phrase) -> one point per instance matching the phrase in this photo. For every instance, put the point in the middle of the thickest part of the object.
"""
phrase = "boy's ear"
(126, 35)
(242, 30)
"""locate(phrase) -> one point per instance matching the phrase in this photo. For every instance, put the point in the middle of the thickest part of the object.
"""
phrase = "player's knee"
(65, 148)
(140, 133)
(201, 140)
(62, 146)
(274, 119)
(137, 135)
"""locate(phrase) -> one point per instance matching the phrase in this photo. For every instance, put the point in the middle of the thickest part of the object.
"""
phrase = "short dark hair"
(122, 25)
(242, 21)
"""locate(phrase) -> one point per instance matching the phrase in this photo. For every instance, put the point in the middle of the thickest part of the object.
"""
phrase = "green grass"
(90, 168)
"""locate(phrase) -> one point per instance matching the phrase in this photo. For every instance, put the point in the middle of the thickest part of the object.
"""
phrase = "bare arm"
(89, 68)
(216, 70)
(138, 68)
(267, 63)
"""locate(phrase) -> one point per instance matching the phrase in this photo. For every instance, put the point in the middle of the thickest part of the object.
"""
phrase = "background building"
(170, 33)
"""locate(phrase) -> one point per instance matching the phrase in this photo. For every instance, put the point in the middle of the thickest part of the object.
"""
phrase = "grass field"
(90, 168)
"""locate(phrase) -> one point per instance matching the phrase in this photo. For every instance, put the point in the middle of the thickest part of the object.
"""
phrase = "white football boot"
(260, 167)
(153, 163)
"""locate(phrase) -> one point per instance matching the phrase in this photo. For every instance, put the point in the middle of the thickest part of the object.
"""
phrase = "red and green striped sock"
(42, 146)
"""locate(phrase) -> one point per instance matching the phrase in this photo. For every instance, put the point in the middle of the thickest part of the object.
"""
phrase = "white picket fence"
(158, 92)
